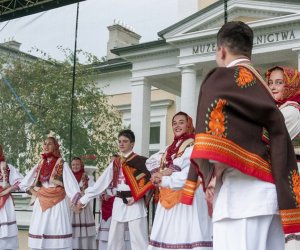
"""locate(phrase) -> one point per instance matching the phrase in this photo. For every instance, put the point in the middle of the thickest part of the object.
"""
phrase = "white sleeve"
(14, 176)
(28, 180)
(91, 181)
(70, 184)
(177, 179)
(153, 162)
(292, 120)
(99, 187)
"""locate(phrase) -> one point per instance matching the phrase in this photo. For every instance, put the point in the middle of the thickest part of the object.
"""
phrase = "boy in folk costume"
(241, 139)
(130, 178)
(106, 206)
(50, 181)
(9, 182)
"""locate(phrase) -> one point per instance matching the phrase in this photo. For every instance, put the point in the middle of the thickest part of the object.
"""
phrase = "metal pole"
(73, 86)
(225, 12)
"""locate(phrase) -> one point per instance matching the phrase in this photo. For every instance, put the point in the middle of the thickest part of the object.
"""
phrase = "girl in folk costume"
(83, 222)
(285, 86)
(177, 226)
(9, 181)
(50, 181)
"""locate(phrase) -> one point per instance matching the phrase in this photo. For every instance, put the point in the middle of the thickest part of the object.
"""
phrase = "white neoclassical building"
(149, 82)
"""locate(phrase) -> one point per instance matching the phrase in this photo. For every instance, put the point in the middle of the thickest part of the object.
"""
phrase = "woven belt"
(123, 195)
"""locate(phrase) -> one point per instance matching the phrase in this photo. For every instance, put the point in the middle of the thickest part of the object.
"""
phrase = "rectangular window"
(154, 138)
(155, 133)
(152, 152)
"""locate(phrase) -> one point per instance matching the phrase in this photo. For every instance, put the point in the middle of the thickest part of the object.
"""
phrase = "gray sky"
(54, 28)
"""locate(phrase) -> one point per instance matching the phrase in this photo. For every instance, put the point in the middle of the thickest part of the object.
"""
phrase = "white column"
(189, 90)
(200, 78)
(140, 114)
(178, 103)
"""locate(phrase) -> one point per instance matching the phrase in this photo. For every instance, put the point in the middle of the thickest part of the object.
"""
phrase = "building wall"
(164, 114)
(189, 7)
(115, 83)
(204, 3)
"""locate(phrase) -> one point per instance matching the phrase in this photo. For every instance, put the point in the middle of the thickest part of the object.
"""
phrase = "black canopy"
(10, 9)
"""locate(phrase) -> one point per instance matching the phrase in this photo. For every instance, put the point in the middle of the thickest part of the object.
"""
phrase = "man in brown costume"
(242, 141)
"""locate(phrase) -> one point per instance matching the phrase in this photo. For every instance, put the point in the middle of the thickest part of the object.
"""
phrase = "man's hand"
(219, 169)
(209, 195)
(105, 197)
(130, 201)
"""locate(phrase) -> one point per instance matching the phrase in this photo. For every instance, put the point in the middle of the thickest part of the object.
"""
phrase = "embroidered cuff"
(76, 198)
(188, 192)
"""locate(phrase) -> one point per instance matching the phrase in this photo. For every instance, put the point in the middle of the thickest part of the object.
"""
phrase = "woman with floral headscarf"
(83, 222)
(50, 181)
(9, 182)
(285, 86)
(178, 226)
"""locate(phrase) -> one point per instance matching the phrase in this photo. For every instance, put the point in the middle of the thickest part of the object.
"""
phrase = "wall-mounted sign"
(273, 37)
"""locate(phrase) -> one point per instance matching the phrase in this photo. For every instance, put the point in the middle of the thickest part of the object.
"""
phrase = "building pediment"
(242, 10)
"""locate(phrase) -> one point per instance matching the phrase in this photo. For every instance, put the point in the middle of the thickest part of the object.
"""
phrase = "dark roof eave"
(106, 67)
(139, 47)
(15, 51)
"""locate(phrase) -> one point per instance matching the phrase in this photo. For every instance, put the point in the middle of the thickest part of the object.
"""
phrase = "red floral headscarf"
(47, 167)
(174, 147)
(291, 79)
(78, 174)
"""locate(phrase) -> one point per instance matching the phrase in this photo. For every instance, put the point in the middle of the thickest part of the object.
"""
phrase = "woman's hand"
(32, 191)
(6, 191)
(156, 178)
(167, 172)
(79, 205)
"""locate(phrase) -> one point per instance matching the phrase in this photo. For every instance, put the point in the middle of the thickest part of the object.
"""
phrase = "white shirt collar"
(126, 155)
(236, 61)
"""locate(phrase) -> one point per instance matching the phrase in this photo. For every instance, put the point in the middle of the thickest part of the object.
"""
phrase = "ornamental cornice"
(233, 14)
(183, 40)
(214, 17)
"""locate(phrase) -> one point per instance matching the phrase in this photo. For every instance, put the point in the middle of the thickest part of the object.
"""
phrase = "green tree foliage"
(44, 86)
